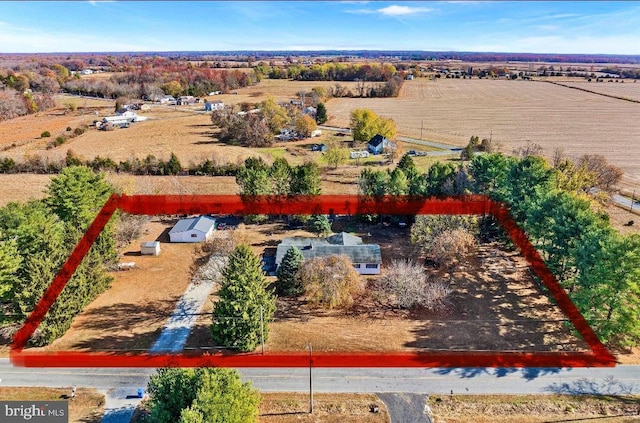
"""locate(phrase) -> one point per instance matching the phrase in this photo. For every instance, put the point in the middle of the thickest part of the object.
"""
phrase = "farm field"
(627, 89)
(514, 113)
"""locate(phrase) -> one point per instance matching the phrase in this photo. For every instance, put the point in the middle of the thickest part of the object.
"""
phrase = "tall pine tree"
(244, 298)
(289, 284)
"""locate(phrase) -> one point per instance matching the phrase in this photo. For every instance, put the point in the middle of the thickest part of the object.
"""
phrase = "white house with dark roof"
(378, 143)
(196, 229)
(366, 258)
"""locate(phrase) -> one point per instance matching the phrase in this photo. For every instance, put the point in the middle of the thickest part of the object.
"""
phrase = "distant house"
(213, 105)
(196, 229)
(167, 99)
(377, 144)
(311, 111)
(186, 100)
(366, 258)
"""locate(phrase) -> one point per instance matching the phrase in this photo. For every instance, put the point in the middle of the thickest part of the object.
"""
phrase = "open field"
(627, 89)
(514, 112)
(86, 407)
(534, 408)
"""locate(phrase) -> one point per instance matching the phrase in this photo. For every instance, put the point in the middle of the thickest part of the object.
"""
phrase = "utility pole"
(310, 380)
(633, 200)
(421, 127)
(262, 328)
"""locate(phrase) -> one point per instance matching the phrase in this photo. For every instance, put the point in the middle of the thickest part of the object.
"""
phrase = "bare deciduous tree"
(408, 286)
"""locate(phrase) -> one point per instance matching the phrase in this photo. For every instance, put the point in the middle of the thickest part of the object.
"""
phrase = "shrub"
(330, 281)
(408, 286)
(45, 134)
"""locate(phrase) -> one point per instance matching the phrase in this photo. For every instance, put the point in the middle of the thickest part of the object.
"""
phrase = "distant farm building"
(196, 229)
(210, 106)
(366, 258)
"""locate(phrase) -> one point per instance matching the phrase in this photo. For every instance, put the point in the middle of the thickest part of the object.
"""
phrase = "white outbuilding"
(196, 229)
(150, 248)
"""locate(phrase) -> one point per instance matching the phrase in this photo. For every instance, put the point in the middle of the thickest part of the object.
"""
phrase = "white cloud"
(395, 10)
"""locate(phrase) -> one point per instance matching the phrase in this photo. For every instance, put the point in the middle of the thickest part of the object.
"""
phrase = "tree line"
(149, 165)
(36, 238)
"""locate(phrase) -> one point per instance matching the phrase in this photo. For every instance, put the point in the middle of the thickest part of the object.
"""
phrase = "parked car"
(411, 153)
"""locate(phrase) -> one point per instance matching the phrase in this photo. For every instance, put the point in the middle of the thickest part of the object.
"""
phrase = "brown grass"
(515, 112)
(327, 408)
(533, 408)
(131, 314)
(86, 407)
(286, 407)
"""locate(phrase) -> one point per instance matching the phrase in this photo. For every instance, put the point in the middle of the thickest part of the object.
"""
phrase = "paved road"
(406, 407)
(618, 380)
(176, 331)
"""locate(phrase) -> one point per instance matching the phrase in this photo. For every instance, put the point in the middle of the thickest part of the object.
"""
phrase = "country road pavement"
(618, 380)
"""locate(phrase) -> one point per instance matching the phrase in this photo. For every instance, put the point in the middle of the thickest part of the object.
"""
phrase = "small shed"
(196, 229)
(150, 248)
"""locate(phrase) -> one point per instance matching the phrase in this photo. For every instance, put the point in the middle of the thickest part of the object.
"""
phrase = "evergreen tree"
(289, 284)
(10, 261)
(243, 297)
(306, 179)
(173, 166)
(76, 195)
(321, 114)
(319, 223)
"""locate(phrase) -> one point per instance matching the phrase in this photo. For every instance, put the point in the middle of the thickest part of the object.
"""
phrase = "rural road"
(618, 380)
(403, 390)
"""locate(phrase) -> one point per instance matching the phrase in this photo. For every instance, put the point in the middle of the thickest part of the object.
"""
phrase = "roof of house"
(341, 243)
(376, 140)
(200, 223)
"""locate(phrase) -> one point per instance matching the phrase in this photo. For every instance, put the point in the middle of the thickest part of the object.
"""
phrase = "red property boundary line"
(599, 356)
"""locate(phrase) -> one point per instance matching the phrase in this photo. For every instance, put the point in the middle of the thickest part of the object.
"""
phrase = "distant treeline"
(150, 165)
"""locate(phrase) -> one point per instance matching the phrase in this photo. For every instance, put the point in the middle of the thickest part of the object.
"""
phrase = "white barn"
(196, 229)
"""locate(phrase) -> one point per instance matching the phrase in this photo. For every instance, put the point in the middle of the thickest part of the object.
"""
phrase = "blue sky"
(536, 27)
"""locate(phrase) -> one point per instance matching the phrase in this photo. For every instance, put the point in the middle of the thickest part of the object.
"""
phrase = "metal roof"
(200, 223)
(342, 243)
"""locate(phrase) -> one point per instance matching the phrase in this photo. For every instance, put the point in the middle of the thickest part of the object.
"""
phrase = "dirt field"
(86, 407)
(514, 112)
(627, 89)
